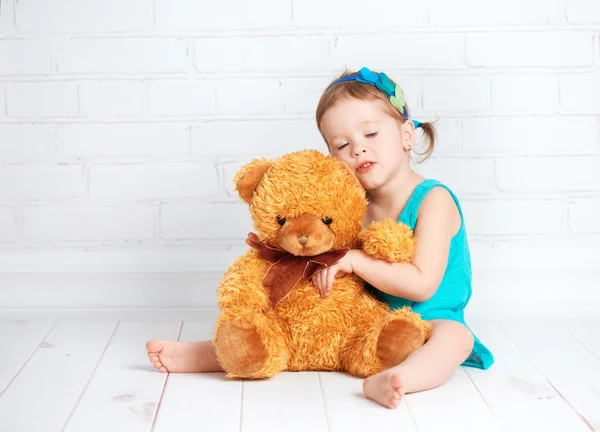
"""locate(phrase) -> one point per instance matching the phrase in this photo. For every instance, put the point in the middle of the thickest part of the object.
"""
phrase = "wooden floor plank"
(348, 410)
(457, 405)
(125, 390)
(289, 401)
(567, 365)
(204, 401)
(518, 394)
(588, 334)
(18, 340)
(43, 394)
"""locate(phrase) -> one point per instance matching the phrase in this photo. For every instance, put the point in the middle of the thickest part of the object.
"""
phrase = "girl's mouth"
(365, 167)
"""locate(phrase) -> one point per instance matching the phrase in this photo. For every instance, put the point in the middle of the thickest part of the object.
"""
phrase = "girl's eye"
(372, 135)
(342, 146)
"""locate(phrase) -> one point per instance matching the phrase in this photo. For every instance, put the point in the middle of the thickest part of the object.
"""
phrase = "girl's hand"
(323, 279)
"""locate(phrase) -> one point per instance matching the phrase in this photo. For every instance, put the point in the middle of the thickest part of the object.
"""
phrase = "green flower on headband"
(398, 101)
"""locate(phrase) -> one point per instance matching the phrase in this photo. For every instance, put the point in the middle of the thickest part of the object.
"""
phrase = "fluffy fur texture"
(308, 203)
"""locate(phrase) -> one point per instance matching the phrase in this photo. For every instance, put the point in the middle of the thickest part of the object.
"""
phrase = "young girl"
(364, 121)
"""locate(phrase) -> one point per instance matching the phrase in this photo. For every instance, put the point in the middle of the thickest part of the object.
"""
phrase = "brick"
(507, 12)
(43, 99)
(583, 11)
(354, 14)
(8, 225)
(22, 142)
(302, 94)
(205, 221)
(279, 53)
(100, 56)
(153, 181)
(530, 135)
(83, 16)
(250, 96)
(549, 174)
(2, 100)
(463, 176)
(511, 217)
(456, 93)
(525, 94)
(181, 97)
(119, 140)
(255, 138)
(84, 222)
(530, 49)
(449, 135)
(34, 182)
(231, 15)
(580, 93)
(114, 98)
(583, 215)
(7, 24)
(403, 51)
(229, 171)
(27, 56)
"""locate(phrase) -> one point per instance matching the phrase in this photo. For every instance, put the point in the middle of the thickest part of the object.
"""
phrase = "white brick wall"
(123, 122)
(478, 14)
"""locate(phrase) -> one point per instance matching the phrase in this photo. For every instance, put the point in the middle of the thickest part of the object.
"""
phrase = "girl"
(364, 120)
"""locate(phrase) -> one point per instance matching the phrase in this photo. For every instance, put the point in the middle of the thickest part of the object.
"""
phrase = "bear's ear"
(249, 176)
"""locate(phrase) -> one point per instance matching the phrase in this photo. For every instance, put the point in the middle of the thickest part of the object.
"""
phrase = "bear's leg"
(379, 346)
(247, 349)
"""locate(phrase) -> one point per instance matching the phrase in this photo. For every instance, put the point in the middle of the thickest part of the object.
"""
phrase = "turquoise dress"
(454, 292)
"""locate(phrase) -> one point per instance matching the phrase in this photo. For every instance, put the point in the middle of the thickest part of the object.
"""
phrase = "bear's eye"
(280, 220)
(327, 220)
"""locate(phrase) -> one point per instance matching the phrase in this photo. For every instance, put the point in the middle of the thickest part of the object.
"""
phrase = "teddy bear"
(307, 209)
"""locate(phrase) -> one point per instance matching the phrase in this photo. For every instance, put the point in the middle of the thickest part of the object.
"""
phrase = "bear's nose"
(302, 240)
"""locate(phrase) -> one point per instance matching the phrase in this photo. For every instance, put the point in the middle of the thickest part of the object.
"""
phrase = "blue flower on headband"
(383, 83)
(380, 80)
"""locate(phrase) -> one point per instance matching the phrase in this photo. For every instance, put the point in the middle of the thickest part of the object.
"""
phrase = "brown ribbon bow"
(287, 269)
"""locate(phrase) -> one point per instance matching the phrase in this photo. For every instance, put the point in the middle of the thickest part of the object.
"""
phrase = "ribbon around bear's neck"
(288, 269)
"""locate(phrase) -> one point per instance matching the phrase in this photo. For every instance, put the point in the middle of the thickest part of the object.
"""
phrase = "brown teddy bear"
(308, 210)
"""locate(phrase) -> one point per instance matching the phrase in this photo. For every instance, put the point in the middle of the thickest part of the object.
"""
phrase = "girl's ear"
(249, 176)
(407, 131)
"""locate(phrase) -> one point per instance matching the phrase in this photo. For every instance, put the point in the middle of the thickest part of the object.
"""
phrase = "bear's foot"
(239, 349)
(397, 340)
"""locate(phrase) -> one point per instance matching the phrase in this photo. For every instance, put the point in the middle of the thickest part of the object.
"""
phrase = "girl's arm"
(438, 222)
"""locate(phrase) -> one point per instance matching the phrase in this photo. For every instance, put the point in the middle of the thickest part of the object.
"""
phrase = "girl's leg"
(428, 367)
(171, 356)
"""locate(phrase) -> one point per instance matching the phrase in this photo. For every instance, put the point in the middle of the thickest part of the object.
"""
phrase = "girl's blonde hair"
(361, 91)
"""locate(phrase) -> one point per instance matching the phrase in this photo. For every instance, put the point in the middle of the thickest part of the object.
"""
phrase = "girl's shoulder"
(434, 200)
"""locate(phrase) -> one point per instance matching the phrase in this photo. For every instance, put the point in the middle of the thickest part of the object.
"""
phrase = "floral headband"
(383, 83)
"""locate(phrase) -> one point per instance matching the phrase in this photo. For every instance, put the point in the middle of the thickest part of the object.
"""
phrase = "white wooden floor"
(95, 376)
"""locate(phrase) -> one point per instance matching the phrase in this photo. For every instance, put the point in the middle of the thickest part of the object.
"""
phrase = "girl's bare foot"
(387, 389)
(170, 356)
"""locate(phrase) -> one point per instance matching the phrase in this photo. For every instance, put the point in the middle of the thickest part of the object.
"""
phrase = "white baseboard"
(495, 314)
(181, 284)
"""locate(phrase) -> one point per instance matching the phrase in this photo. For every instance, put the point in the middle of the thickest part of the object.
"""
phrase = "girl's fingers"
(330, 276)
(317, 282)
(321, 284)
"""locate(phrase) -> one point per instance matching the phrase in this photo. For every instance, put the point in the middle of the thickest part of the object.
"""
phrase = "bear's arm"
(388, 240)
(241, 287)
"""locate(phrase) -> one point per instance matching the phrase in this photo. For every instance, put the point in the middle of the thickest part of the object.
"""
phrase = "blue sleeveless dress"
(454, 292)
